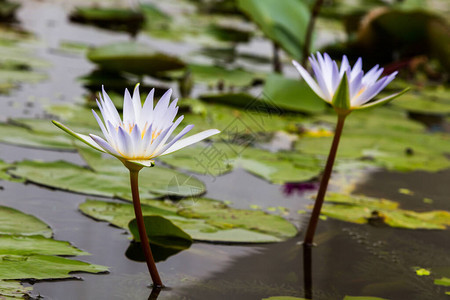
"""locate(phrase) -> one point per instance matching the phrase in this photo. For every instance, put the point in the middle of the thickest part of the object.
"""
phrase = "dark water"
(349, 259)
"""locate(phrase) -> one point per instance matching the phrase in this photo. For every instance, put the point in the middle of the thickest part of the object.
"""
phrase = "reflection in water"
(160, 253)
(155, 293)
(307, 270)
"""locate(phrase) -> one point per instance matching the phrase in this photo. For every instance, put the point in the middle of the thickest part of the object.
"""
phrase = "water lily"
(144, 131)
(142, 134)
(346, 88)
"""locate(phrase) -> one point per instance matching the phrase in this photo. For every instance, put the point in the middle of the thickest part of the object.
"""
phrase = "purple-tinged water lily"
(346, 88)
(143, 133)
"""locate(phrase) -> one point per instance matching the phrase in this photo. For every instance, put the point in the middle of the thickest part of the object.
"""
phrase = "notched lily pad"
(12, 289)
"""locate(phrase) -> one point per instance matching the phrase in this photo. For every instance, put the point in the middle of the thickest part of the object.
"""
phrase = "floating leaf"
(16, 222)
(216, 74)
(133, 58)
(362, 298)
(33, 245)
(361, 209)
(422, 272)
(284, 298)
(162, 232)
(110, 181)
(11, 289)
(442, 281)
(43, 267)
(203, 219)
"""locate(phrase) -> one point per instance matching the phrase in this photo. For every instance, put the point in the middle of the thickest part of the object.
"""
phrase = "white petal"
(136, 139)
(344, 65)
(191, 140)
(355, 87)
(102, 143)
(137, 106)
(155, 143)
(161, 107)
(109, 107)
(309, 80)
(102, 126)
(174, 140)
(169, 133)
(125, 143)
(84, 138)
(321, 81)
(357, 68)
(147, 110)
(128, 109)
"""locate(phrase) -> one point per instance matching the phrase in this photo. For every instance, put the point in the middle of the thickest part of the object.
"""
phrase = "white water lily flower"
(346, 88)
(143, 133)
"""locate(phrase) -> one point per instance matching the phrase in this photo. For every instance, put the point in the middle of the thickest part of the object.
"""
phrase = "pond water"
(349, 259)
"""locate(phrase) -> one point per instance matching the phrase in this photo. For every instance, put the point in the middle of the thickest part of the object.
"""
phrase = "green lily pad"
(12, 289)
(134, 58)
(43, 267)
(363, 298)
(213, 159)
(361, 210)
(284, 298)
(444, 281)
(281, 167)
(284, 22)
(17, 135)
(202, 219)
(162, 232)
(420, 103)
(385, 138)
(34, 245)
(110, 181)
(15, 222)
(215, 74)
(291, 95)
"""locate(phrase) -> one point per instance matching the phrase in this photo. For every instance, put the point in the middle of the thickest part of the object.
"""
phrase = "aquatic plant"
(345, 89)
(141, 135)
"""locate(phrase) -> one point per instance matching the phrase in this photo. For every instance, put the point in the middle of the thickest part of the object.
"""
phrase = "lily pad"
(134, 58)
(444, 281)
(34, 245)
(43, 267)
(16, 222)
(162, 232)
(111, 181)
(361, 210)
(202, 219)
(284, 298)
(363, 298)
(229, 77)
(421, 103)
(12, 289)
(291, 95)
(21, 136)
(284, 22)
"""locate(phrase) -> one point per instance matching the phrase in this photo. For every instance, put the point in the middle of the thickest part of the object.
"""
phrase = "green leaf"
(109, 179)
(362, 298)
(33, 245)
(284, 298)
(21, 136)
(11, 289)
(442, 281)
(203, 219)
(341, 98)
(16, 222)
(291, 95)
(361, 210)
(43, 267)
(162, 232)
(134, 58)
(433, 102)
(215, 74)
(284, 22)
